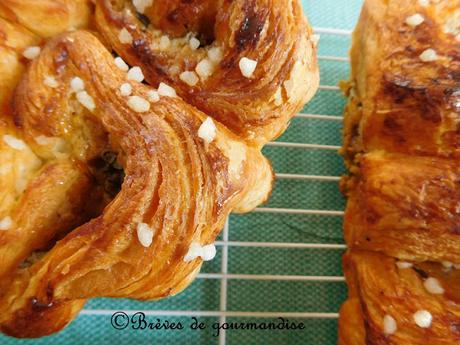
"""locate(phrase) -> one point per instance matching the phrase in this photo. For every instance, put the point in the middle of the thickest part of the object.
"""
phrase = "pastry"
(396, 302)
(117, 186)
(25, 24)
(401, 146)
(270, 43)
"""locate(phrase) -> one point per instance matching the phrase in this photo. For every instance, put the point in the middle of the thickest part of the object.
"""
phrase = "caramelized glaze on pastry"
(273, 35)
(405, 80)
(180, 186)
(112, 186)
(25, 23)
(401, 145)
(393, 302)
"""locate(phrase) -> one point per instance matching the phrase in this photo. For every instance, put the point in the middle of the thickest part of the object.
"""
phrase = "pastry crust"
(401, 146)
(25, 23)
(178, 185)
(379, 288)
(406, 207)
(104, 193)
(275, 34)
(398, 102)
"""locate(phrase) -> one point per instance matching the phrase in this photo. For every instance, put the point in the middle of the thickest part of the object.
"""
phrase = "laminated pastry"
(112, 185)
(401, 145)
(405, 78)
(269, 42)
(27, 23)
(397, 302)
(406, 206)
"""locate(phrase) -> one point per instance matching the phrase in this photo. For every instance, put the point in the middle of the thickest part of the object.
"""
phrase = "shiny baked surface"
(273, 33)
(379, 288)
(401, 147)
(89, 167)
(406, 102)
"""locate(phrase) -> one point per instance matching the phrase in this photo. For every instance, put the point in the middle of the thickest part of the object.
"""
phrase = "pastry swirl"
(181, 187)
(25, 23)
(118, 187)
(275, 35)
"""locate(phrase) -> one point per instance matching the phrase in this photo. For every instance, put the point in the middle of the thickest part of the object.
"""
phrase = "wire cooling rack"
(283, 259)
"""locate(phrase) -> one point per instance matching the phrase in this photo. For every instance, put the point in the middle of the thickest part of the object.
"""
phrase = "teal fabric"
(264, 296)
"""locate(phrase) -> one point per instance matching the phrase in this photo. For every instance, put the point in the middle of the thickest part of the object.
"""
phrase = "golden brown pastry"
(406, 206)
(401, 145)
(111, 187)
(392, 302)
(405, 79)
(25, 23)
(271, 36)
(178, 189)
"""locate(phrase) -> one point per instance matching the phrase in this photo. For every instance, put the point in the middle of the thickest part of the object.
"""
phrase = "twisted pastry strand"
(113, 188)
(25, 23)
(401, 143)
(273, 34)
(181, 187)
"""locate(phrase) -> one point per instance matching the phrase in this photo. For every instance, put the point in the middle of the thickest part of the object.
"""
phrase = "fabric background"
(265, 296)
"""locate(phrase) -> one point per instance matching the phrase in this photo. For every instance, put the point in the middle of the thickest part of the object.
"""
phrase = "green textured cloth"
(264, 296)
